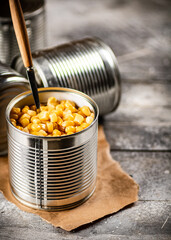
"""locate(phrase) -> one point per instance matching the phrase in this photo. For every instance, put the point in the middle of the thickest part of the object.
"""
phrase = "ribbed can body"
(11, 84)
(53, 173)
(34, 14)
(88, 65)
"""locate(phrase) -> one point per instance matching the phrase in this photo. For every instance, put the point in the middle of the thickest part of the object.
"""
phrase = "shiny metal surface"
(11, 84)
(34, 14)
(53, 173)
(88, 65)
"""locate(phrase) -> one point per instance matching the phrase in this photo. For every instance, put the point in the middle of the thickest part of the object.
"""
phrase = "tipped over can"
(11, 84)
(87, 65)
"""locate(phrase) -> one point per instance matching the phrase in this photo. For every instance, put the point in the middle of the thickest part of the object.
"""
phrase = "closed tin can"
(53, 173)
(88, 65)
(34, 14)
(11, 84)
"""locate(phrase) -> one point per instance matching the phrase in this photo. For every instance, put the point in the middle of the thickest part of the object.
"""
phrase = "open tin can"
(53, 173)
(87, 65)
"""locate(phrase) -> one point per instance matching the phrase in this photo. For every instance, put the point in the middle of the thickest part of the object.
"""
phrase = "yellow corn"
(35, 127)
(14, 116)
(35, 119)
(68, 123)
(78, 128)
(44, 115)
(49, 127)
(52, 101)
(53, 117)
(89, 119)
(15, 110)
(31, 113)
(78, 119)
(84, 125)
(13, 121)
(85, 110)
(56, 132)
(25, 109)
(70, 129)
(24, 122)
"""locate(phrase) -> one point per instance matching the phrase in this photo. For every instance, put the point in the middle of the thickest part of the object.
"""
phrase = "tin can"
(53, 173)
(11, 84)
(88, 65)
(34, 14)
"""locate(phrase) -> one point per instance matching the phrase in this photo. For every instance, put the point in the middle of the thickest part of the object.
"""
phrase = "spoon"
(24, 46)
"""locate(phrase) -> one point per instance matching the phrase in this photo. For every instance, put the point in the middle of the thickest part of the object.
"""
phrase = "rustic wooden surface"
(139, 132)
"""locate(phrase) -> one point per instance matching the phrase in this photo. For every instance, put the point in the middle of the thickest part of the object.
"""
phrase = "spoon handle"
(21, 32)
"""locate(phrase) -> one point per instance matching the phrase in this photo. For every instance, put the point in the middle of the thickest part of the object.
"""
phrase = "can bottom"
(55, 208)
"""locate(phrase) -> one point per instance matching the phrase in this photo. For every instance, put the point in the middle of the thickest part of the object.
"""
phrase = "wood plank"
(143, 103)
(138, 137)
(137, 31)
(143, 119)
(138, 221)
(151, 170)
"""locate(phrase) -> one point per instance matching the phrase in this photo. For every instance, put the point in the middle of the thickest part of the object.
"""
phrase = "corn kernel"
(14, 116)
(13, 121)
(15, 110)
(24, 122)
(35, 119)
(43, 126)
(69, 133)
(49, 127)
(78, 128)
(68, 116)
(68, 123)
(25, 130)
(20, 128)
(35, 127)
(43, 108)
(60, 107)
(44, 115)
(25, 115)
(70, 129)
(56, 132)
(82, 114)
(31, 113)
(85, 110)
(85, 125)
(59, 121)
(53, 117)
(78, 119)
(52, 101)
(42, 133)
(25, 109)
(89, 119)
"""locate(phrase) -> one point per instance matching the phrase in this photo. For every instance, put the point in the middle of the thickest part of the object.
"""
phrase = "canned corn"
(53, 173)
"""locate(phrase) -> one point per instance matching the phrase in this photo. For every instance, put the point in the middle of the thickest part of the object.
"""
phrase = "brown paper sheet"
(115, 189)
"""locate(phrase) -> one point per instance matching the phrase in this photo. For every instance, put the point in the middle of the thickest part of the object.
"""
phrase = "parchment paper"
(115, 189)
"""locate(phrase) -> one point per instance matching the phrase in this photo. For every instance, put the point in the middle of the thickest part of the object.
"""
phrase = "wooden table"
(139, 132)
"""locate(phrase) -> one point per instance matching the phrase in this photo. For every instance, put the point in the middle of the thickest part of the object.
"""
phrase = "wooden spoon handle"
(21, 32)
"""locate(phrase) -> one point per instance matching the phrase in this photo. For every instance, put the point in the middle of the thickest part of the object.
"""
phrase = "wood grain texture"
(140, 129)
(21, 32)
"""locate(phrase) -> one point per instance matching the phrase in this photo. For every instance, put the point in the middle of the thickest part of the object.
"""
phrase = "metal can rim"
(116, 73)
(50, 89)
